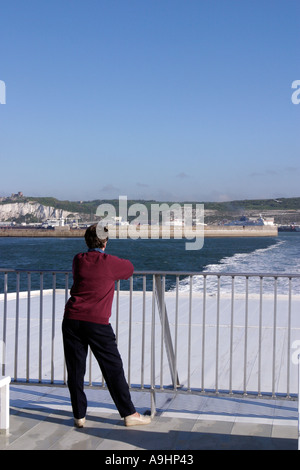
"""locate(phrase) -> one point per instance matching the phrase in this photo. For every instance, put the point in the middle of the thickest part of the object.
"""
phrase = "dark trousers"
(77, 336)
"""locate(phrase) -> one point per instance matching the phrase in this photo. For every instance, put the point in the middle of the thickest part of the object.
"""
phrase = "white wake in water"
(279, 258)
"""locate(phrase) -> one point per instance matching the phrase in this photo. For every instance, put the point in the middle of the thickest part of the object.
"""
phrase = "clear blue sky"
(155, 99)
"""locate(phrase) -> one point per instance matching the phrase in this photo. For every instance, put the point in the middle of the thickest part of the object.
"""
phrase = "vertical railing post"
(163, 322)
(53, 325)
(260, 337)
(130, 330)
(190, 334)
(288, 365)
(66, 299)
(117, 311)
(90, 361)
(143, 333)
(4, 325)
(231, 335)
(166, 329)
(28, 327)
(41, 327)
(152, 378)
(246, 334)
(217, 336)
(274, 338)
(203, 334)
(17, 326)
(176, 326)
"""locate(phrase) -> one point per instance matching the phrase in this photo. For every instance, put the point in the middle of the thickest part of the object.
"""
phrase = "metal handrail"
(163, 355)
(164, 273)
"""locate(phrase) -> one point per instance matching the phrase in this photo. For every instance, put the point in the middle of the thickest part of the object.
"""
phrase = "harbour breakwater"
(147, 231)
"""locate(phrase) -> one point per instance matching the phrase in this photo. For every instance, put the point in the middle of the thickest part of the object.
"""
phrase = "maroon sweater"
(94, 276)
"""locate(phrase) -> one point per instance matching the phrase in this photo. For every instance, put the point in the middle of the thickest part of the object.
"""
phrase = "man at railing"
(86, 323)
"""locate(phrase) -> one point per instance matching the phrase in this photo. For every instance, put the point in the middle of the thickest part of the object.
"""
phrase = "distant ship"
(289, 228)
(246, 221)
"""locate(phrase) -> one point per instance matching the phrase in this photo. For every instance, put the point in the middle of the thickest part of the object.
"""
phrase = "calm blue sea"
(240, 255)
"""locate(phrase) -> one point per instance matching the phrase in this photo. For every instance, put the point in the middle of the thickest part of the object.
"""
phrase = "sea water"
(261, 255)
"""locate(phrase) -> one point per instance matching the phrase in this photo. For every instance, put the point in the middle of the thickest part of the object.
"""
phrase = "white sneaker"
(79, 422)
(136, 420)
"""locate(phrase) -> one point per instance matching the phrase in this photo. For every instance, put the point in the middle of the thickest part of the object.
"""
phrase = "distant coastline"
(148, 232)
(22, 210)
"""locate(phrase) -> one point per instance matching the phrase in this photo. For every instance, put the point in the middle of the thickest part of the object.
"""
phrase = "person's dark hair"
(91, 238)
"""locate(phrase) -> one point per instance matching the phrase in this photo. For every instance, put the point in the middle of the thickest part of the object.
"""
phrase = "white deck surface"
(41, 419)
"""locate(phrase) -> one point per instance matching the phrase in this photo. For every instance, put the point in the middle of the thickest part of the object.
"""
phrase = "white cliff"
(17, 209)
